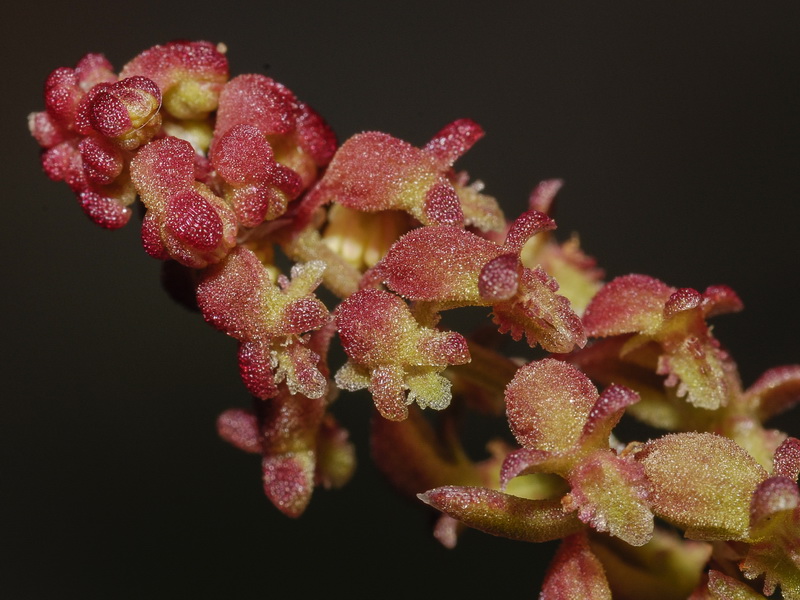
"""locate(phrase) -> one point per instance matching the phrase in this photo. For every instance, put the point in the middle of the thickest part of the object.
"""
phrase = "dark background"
(675, 125)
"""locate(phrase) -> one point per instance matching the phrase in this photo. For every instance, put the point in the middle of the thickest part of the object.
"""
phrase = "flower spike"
(238, 176)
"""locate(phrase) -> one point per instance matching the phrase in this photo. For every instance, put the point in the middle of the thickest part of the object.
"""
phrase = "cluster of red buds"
(232, 172)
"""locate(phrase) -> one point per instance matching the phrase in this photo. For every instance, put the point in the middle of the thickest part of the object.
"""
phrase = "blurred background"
(674, 124)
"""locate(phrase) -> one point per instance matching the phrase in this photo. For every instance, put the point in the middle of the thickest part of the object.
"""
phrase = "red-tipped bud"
(499, 278)
(787, 459)
(258, 188)
(628, 304)
(289, 481)
(315, 136)
(258, 101)
(126, 111)
(102, 161)
(105, 211)
(575, 573)
(374, 172)
(190, 76)
(239, 428)
(185, 220)
(454, 140)
(543, 195)
(673, 319)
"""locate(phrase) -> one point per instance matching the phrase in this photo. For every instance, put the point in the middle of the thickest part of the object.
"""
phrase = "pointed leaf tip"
(543, 195)
(454, 140)
(524, 227)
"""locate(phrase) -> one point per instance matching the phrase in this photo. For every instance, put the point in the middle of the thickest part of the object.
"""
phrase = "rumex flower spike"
(238, 297)
(230, 172)
(65, 88)
(394, 357)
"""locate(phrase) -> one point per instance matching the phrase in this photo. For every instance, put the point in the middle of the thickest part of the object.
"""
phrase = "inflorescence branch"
(232, 171)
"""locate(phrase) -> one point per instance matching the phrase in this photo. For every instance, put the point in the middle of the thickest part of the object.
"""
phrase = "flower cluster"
(235, 173)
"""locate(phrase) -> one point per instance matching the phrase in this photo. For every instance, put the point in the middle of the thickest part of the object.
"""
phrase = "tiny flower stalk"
(238, 177)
